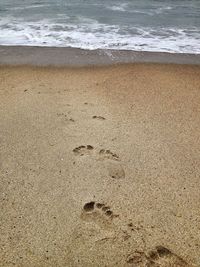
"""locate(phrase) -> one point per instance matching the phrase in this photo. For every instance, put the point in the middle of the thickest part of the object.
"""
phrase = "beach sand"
(100, 166)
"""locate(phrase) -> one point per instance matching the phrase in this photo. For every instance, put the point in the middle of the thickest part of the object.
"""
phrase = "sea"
(140, 25)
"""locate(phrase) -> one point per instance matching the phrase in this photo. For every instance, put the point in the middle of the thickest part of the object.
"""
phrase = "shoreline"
(75, 57)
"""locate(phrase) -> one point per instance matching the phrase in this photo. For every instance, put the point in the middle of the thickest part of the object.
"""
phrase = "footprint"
(98, 213)
(112, 162)
(158, 257)
(92, 206)
(163, 257)
(101, 155)
(65, 117)
(83, 150)
(99, 118)
(115, 170)
(107, 154)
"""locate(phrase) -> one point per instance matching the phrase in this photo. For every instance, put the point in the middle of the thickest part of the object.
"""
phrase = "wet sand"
(66, 56)
(100, 166)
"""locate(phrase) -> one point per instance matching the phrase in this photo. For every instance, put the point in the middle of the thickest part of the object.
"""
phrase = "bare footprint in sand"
(83, 150)
(65, 117)
(158, 257)
(115, 169)
(112, 162)
(98, 213)
(110, 159)
(107, 154)
(163, 257)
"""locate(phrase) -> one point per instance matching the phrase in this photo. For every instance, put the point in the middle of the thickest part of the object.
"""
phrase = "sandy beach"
(100, 166)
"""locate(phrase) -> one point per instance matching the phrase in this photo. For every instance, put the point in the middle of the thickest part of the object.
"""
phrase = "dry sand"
(100, 166)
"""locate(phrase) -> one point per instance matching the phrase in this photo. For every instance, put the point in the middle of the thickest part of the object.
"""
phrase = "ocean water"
(141, 25)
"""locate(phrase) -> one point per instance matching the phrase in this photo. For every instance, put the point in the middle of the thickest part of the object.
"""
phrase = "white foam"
(151, 11)
(120, 7)
(92, 35)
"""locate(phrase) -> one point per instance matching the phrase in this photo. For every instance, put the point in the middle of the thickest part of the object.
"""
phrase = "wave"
(89, 34)
(151, 12)
(120, 7)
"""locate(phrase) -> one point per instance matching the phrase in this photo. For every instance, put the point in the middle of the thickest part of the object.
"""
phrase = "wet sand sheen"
(100, 166)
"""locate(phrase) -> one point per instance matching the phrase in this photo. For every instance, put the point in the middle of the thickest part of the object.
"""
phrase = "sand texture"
(100, 166)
